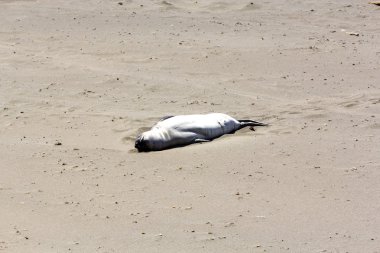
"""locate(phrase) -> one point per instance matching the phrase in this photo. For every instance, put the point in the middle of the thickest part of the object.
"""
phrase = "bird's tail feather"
(251, 123)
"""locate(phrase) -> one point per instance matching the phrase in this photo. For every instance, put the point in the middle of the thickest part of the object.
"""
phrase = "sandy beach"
(79, 80)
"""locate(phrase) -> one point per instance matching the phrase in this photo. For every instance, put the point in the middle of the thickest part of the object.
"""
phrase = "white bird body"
(186, 129)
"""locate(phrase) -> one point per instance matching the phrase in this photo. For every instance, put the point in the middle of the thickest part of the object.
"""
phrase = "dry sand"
(91, 75)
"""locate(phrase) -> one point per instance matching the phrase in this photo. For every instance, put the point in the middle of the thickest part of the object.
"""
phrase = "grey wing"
(166, 117)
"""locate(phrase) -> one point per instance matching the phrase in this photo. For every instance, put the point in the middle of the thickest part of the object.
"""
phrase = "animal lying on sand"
(181, 130)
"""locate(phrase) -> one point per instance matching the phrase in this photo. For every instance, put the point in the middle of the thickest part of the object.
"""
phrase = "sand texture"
(79, 80)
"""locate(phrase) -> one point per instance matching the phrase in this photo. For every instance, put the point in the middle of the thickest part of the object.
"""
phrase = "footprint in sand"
(231, 6)
(361, 101)
(250, 6)
(167, 5)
